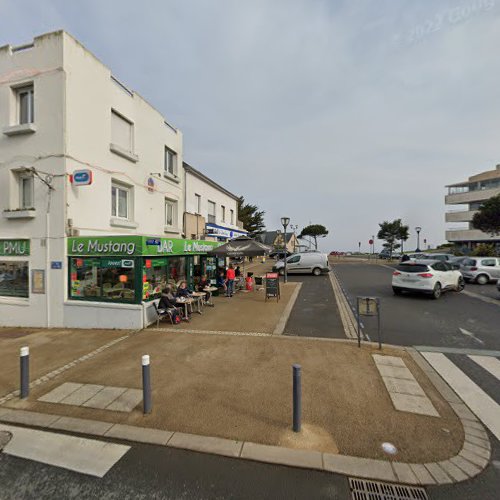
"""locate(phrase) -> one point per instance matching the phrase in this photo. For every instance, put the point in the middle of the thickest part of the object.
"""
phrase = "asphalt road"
(455, 320)
(156, 472)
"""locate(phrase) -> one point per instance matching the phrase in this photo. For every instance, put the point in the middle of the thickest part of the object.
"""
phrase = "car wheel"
(281, 272)
(482, 279)
(316, 271)
(436, 293)
(460, 284)
(397, 291)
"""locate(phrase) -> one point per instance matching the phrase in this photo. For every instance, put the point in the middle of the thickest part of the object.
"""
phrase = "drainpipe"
(47, 257)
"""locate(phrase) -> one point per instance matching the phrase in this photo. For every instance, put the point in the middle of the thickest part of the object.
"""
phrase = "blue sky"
(341, 113)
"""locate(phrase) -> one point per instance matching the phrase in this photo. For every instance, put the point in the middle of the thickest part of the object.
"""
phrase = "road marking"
(470, 334)
(490, 364)
(485, 408)
(489, 300)
(457, 350)
(87, 456)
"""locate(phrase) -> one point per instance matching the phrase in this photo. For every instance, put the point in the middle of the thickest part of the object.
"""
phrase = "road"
(455, 320)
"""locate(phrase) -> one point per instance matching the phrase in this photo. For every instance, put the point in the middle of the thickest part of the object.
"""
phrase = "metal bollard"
(146, 385)
(297, 398)
(25, 372)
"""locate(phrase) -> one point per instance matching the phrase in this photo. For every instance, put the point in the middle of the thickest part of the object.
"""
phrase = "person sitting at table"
(183, 290)
(205, 283)
(221, 280)
(168, 303)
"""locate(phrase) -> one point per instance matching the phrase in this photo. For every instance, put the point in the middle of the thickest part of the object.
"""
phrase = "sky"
(341, 113)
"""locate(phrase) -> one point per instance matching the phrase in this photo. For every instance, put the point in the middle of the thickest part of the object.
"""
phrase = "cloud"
(340, 113)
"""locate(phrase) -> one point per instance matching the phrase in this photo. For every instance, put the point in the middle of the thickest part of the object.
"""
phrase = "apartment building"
(92, 191)
(467, 197)
(211, 210)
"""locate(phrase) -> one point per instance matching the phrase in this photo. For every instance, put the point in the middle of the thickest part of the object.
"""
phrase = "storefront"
(133, 269)
(14, 268)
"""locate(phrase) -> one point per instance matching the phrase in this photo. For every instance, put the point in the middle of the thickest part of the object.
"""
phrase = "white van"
(304, 263)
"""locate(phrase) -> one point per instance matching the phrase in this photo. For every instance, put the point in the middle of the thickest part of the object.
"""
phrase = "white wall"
(195, 185)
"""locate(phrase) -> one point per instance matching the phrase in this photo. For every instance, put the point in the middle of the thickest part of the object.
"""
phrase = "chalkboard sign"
(272, 286)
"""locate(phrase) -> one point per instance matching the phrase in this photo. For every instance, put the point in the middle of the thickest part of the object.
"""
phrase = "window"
(223, 213)
(211, 212)
(197, 198)
(14, 278)
(170, 213)
(170, 162)
(489, 262)
(26, 105)
(122, 132)
(439, 266)
(294, 260)
(120, 201)
(232, 217)
(26, 191)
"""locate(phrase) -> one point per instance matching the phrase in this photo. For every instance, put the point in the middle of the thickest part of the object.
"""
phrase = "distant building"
(275, 239)
(211, 210)
(471, 194)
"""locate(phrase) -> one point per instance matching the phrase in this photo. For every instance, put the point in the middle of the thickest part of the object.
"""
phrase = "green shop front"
(134, 269)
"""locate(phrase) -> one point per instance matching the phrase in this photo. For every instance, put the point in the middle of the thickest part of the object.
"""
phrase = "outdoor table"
(185, 303)
(198, 297)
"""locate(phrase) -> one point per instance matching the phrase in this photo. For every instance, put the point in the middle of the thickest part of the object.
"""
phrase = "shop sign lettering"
(103, 247)
(14, 247)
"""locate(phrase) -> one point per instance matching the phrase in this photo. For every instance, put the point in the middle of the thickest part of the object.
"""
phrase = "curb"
(346, 315)
(280, 327)
(472, 459)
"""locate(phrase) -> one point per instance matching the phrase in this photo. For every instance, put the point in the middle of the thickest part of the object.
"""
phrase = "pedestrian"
(230, 275)
(405, 258)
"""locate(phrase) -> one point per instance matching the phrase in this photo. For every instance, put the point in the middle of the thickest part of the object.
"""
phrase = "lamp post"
(284, 222)
(418, 229)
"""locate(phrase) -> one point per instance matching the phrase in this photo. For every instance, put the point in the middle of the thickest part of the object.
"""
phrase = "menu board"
(272, 286)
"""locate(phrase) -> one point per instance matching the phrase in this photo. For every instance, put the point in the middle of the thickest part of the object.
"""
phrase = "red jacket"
(230, 274)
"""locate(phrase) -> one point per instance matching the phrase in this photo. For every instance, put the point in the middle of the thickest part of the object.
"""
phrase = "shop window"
(154, 278)
(85, 278)
(118, 280)
(176, 270)
(14, 278)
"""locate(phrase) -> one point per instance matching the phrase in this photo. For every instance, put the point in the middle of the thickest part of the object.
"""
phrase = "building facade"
(469, 195)
(211, 210)
(276, 240)
(92, 193)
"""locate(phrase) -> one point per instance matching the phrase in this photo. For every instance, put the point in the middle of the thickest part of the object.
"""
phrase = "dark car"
(280, 254)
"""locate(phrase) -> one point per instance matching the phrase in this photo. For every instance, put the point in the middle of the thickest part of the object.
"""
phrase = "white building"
(91, 192)
(211, 210)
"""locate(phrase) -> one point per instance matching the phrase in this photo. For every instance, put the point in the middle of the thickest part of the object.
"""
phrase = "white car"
(426, 276)
(304, 263)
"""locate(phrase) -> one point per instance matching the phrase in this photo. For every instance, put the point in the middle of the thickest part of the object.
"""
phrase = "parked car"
(413, 256)
(385, 254)
(481, 270)
(456, 262)
(304, 263)
(426, 276)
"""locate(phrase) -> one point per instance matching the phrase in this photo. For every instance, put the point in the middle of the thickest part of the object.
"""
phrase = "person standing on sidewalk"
(230, 275)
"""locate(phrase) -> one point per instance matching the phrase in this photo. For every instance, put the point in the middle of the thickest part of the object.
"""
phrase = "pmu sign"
(81, 177)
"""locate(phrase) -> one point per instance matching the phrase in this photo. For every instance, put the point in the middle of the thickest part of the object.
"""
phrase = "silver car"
(304, 263)
(481, 270)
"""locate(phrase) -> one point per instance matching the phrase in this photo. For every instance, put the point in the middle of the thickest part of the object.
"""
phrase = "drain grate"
(375, 490)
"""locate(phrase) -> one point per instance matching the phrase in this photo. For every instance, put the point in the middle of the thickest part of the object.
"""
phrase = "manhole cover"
(362, 489)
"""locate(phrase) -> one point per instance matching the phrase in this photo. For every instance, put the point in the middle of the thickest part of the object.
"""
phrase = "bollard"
(146, 385)
(25, 372)
(297, 398)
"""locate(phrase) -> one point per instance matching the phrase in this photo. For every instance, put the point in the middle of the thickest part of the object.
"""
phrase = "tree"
(251, 216)
(314, 231)
(404, 233)
(484, 250)
(391, 233)
(487, 219)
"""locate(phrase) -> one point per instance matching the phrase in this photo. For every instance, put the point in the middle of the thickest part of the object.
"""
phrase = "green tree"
(314, 231)
(484, 250)
(487, 219)
(391, 233)
(251, 216)
(404, 233)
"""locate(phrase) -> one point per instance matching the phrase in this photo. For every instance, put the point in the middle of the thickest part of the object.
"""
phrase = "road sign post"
(368, 306)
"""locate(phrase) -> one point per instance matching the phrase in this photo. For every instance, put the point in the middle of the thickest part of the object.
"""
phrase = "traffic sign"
(370, 242)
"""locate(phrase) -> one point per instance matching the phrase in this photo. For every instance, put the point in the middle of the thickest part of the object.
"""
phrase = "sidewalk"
(239, 388)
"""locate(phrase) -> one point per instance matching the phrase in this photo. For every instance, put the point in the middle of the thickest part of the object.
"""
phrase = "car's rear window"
(412, 268)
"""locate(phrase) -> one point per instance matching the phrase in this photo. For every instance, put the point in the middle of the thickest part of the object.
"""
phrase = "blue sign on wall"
(56, 264)
(153, 242)
(81, 177)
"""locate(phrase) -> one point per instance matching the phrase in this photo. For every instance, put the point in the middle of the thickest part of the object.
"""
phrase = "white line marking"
(471, 335)
(488, 363)
(489, 300)
(87, 456)
(472, 395)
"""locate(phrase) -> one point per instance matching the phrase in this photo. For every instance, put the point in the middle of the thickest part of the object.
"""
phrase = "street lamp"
(284, 222)
(418, 229)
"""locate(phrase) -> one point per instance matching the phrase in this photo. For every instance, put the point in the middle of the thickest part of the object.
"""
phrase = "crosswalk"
(475, 378)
